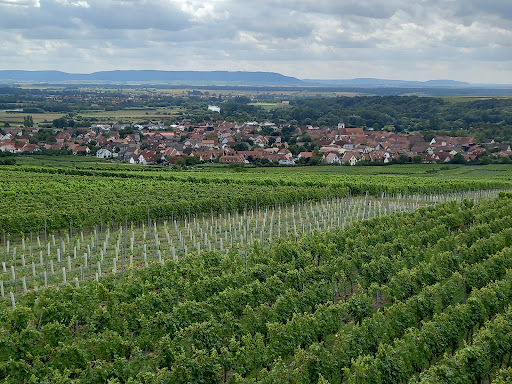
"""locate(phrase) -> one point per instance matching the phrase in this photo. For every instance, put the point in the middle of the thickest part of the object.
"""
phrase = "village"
(265, 143)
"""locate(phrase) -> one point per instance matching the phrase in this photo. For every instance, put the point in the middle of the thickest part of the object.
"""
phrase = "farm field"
(6, 117)
(490, 171)
(266, 275)
(99, 115)
(150, 113)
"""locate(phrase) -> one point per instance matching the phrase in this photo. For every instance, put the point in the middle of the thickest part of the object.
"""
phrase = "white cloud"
(20, 3)
(79, 3)
(463, 40)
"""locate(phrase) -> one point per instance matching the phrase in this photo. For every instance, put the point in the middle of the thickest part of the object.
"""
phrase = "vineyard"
(42, 259)
(249, 279)
(33, 199)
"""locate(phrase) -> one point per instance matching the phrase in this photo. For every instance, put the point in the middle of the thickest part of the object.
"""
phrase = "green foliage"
(7, 160)
(302, 311)
(28, 121)
(458, 159)
(43, 135)
(63, 122)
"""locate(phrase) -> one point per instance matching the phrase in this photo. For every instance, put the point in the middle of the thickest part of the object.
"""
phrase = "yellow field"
(7, 117)
(160, 113)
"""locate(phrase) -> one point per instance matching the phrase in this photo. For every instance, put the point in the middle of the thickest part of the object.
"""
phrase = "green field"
(128, 274)
(431, 287)
(457, 99)
(443, 171)
(447, 171)
(502, 172)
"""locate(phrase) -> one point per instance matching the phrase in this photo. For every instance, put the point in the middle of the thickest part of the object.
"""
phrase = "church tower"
(341, 124)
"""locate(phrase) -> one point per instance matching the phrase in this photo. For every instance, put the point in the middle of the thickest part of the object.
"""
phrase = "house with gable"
(350, 157)
(332, 158)
(104, 153)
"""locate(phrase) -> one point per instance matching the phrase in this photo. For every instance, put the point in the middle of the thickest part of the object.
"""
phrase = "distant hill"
(254, 81)
(371, 82)
(148, 76)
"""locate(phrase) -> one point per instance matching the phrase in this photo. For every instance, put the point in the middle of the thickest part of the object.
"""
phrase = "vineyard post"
(14, 275)
(149, 229)
(156, 241)
(464, 288)
(124, 248)
(90, 261)
(96, 242)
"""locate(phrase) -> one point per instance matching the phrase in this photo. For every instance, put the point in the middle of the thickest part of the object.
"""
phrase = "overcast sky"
(467, 40)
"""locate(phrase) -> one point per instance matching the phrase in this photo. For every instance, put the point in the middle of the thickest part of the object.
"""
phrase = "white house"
(103, 153)
(286, 162)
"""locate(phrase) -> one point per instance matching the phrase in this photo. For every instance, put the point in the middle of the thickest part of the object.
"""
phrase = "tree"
(416, 159)
(266, 130)
(242, 99)
(28, 121)
(402, 159)
(192, 160)
(240, 146)
(458, 159)
(315, 160)
(62, 122)
(505, 160)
